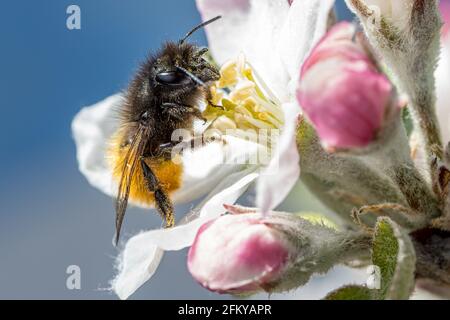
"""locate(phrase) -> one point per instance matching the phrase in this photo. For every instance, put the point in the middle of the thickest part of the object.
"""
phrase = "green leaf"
(351, 292)
(394, 254)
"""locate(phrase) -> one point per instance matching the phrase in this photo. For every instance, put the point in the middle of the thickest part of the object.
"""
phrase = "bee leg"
(166, 150)
(209, 98)
(162, 200)
(216, 106)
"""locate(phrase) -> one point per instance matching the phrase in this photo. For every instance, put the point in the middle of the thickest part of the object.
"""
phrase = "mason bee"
(163, 96)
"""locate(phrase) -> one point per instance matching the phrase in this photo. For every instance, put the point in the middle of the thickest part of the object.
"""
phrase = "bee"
(163, 96)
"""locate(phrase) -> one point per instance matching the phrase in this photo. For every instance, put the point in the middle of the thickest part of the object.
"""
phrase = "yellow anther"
(250, 103)
(228, 75)
(228, 104)
(216, 95)
(248, 74)
(242, 91)
(263, 116)
(243, 110)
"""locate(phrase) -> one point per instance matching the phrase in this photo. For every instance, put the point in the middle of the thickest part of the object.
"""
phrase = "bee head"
(179, 71)
(181, 65)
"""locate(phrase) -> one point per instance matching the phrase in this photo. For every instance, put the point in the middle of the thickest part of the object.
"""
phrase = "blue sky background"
(50, 217)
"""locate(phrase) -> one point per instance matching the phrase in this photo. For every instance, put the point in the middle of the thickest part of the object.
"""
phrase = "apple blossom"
(343, 93)
(275, 62)
(244, 252)
(274, 37)
(255, 254)
(406, 34)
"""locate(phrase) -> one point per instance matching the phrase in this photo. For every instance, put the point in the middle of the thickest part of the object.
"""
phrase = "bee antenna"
(198, 27)
(190, 75)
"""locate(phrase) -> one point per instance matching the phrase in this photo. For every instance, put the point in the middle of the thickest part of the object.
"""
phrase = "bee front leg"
(162, 201)
(170, 149)
(173, 148)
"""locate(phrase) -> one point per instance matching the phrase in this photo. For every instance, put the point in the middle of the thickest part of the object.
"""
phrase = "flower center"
(240, 101)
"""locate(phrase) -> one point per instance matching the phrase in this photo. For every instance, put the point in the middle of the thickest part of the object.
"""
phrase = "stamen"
(271, 108)
(248, 104)
(224, 123)
(265, 87)
(243, 91)
(244, 111)
(258, 123)
(275, 122)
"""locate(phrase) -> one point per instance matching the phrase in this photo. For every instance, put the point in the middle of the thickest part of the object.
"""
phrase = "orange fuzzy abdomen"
(168, 173)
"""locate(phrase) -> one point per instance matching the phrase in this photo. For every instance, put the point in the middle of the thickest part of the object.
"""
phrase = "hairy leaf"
(393, 253)
(351, 292)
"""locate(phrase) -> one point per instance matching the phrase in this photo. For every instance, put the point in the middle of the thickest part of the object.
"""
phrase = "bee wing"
(132, 159)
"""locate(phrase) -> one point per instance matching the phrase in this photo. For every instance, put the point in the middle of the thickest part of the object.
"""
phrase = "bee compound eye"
(171, 78)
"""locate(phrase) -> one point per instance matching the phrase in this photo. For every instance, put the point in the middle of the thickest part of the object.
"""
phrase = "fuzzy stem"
(320, 249)
(343, 182)
(394, 159)
(419, 81)
(411, 52)
(426, 25)
(419, 196)
(426, 120)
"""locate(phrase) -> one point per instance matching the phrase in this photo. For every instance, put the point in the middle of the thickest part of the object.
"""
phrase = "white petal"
(138, 263)
(225, 36)
(443, 90)
(205, 167)
(252, 27)
(143, 252)
(305, 25)
(282, 173)
(91, 129)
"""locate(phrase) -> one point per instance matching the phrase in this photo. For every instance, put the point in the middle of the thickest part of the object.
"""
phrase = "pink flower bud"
(342, 92)
(244, 252)
(238, 253)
